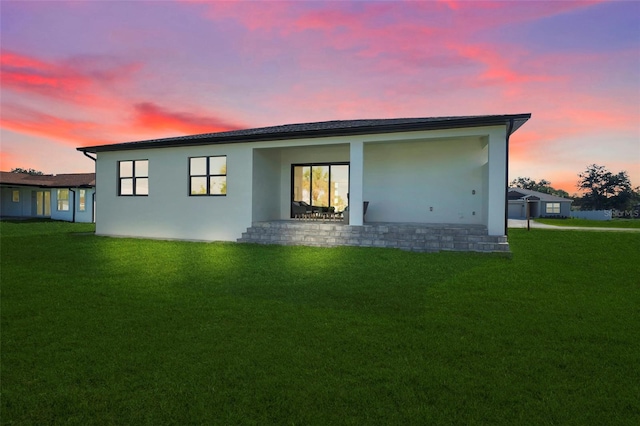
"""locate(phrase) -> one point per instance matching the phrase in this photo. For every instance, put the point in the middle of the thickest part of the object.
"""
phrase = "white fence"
(592, 214)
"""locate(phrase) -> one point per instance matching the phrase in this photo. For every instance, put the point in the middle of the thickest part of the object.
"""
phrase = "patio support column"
(356, 172)
(497, 179)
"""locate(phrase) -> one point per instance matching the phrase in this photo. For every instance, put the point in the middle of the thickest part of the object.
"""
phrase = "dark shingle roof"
(520, 194)
(71, 180)
(321, 129)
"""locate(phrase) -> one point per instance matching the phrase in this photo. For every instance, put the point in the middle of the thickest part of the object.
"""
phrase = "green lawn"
(120, 331)
(613, 223)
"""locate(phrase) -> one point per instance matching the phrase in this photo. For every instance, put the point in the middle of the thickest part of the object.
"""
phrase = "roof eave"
(481, 121)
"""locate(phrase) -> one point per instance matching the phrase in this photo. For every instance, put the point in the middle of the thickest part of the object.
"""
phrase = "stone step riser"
(285, 236)
(413, 238)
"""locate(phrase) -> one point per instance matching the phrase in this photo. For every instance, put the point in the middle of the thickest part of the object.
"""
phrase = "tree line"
(603, 190)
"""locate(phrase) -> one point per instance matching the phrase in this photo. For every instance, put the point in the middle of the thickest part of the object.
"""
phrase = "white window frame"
(552, 208)
(82, 200)
(62, 203)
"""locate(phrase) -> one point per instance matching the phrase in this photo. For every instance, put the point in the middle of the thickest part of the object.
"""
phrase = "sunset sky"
(97, 72)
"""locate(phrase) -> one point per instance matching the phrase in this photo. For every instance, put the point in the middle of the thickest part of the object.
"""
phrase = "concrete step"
(412, 237)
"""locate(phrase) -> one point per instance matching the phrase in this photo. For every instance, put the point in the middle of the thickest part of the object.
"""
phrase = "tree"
(605, 190)
(543, 186)
(32, 172)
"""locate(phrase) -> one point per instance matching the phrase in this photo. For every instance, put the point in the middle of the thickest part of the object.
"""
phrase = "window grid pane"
(198, 166)
(126, 169)
(142, 168)
(126, 186)
(142, 186)
(198, 185)
(217, 165)
(218, 185)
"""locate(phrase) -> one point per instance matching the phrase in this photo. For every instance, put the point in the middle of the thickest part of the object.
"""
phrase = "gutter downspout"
(73, 206)
(93, 196)
(506, 180)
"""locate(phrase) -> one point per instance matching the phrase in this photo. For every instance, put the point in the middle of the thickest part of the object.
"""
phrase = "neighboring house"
(69, 197)
(448, 170)
(540, 204)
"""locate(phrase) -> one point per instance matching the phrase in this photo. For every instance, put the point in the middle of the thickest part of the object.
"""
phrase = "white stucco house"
(538, 203)
(446, 172)
(68, 197)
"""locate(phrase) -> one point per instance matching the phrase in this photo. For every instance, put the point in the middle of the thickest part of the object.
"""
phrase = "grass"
(121, 331)
(613, 223)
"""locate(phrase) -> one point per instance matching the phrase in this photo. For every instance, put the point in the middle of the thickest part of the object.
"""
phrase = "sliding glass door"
(43, 203)
(321, 185)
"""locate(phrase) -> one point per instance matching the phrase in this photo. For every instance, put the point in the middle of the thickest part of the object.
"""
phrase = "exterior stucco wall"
(497, 181)
(21, 208)
(266, 185)
(74, 203)
(169, 211)
(430, 181)
(26, 207)
(402, 175)
(87, 214)
(56, 214)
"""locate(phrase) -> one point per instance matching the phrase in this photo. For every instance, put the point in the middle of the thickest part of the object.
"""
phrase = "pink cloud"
(67, 131)
(27, 74)
(152, 117)
(86, 84)
(79, 79)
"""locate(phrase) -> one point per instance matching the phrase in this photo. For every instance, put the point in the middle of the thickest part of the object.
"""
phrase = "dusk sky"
(96, 72)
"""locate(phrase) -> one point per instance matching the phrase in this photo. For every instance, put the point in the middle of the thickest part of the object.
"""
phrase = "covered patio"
(442, 177)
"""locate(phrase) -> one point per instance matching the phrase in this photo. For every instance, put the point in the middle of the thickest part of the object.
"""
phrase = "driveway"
(522, 223)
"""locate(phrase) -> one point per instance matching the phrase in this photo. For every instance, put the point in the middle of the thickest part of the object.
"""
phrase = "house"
(69, 197)
(539, 203)
(424, 172)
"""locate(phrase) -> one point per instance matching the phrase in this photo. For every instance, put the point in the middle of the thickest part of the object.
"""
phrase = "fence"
(592, 214)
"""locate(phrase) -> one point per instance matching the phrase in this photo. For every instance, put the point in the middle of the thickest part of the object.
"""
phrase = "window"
(63, 200)
(16, 196)
(325, 186)
(208, 175)
(133, 177)
(553, 208)
(82, 205)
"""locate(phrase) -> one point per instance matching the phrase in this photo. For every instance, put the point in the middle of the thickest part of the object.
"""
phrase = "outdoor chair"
(300, 209)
